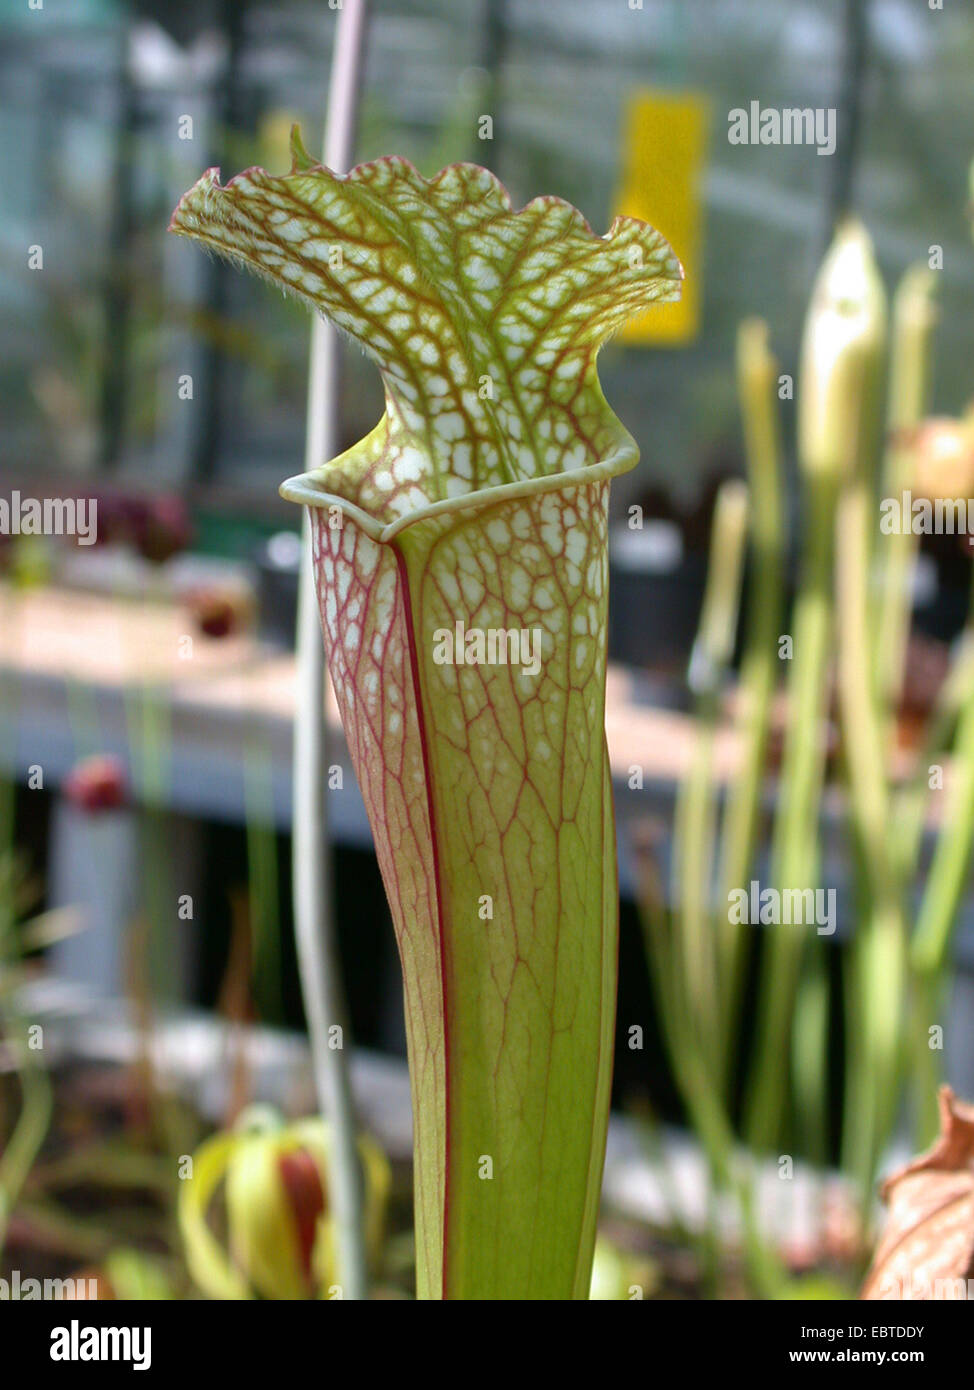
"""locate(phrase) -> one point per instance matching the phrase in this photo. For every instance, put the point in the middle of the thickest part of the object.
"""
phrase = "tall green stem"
(696, 803)
(30, 1128)
(914, 316)
(757, 375)
(877, 962)
(942, 896)
(844, 326)
(794, 851)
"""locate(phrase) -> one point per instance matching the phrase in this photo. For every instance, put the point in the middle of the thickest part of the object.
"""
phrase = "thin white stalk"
(317, 952)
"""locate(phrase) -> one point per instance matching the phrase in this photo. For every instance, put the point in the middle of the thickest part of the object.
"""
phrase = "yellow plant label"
(664, 148)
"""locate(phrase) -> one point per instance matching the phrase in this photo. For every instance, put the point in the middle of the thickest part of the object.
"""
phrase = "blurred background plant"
(760, 1090)
(279, 1227)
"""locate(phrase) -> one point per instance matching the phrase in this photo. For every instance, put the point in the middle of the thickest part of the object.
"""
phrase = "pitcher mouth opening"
(307, 490)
